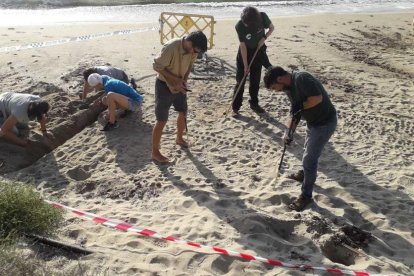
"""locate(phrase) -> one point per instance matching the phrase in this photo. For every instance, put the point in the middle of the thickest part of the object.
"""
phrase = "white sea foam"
(151, 12)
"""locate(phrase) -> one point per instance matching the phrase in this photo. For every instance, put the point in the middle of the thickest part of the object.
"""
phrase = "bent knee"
(110, 95)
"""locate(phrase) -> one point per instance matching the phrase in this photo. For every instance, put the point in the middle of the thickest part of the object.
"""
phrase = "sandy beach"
(221, 191)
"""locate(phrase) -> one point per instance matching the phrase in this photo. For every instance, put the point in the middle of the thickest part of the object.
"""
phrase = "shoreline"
(156, 21)
(16, 17)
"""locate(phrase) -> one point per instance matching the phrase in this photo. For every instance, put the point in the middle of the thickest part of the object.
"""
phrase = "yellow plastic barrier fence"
(173, 25)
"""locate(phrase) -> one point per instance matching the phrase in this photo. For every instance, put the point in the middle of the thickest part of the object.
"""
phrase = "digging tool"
(293, 122)
(241, 83)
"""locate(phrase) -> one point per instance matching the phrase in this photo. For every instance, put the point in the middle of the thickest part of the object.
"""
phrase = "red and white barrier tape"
(149, 233)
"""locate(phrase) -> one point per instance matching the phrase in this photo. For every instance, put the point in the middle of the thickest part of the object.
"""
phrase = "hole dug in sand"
(342, 247)
(333, 249)
(65, 120)
(78, 174)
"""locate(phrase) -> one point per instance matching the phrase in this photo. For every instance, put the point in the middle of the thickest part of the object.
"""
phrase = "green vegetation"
(13, 262)
(22, 211)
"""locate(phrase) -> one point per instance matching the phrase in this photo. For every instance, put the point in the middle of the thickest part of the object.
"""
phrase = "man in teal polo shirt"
(118, 94)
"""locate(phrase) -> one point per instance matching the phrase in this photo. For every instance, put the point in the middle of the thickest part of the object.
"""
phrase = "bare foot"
(157, 156)
(181, 142)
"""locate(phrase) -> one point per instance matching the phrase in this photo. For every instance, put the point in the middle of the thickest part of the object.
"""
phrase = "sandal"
(298, 204)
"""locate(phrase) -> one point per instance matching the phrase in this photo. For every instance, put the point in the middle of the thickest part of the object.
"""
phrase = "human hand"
(180, 85)
(246, 70)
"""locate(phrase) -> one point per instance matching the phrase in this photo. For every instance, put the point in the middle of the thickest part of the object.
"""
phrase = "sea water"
(44, 12)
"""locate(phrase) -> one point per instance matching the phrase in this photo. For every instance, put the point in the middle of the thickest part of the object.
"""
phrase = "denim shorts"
(133, 105)
(164, 99)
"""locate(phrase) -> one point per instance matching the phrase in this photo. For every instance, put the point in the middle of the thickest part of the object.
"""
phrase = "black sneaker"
(110, 126)
(298, 176)
(257, 108)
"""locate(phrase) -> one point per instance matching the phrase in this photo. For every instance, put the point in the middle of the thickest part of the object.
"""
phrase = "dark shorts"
(164, 99)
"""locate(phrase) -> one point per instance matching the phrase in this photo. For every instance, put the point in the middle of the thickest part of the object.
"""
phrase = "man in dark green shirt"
(251, 33)
(309, 99)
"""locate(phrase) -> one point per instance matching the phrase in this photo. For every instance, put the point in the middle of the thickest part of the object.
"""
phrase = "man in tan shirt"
(173, 66)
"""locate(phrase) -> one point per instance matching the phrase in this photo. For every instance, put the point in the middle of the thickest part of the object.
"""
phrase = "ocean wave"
(150, 13)
(39, 4)
(45, 4)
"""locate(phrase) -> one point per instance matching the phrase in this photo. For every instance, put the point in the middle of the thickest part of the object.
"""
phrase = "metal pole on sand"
(185, 120)
(293, 121)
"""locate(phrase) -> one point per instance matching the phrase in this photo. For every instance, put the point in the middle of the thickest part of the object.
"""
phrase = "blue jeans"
(316, 139)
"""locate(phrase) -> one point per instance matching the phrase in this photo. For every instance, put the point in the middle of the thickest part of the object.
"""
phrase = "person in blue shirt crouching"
(118, 94)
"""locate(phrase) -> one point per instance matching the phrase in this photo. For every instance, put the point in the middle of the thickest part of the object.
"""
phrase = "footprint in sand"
(78, 174)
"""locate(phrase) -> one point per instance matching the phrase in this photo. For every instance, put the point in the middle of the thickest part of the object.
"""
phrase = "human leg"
(14, 129)
(156, 142)
(115, 100)
(181, 121)
(125, 77)
(316, 139)
(264, 58)
(133, 84)
(240, 82)
(255, 75)
(12, 135)
(163, 102)
(180, 105)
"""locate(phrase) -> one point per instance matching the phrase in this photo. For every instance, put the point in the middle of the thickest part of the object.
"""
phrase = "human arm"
(6, 131)
(310, 91)
(312, 101)
(269, 31)
(163, 64)
(42, 123)
(86, 90)
(177, 82)
(187, 74)
(266, 36)
(292, 124)
(243, 51)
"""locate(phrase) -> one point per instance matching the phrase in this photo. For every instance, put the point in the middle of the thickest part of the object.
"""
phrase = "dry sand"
(219, 192)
